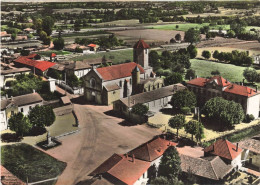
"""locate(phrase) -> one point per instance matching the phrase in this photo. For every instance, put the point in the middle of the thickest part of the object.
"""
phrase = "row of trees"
(38, 117)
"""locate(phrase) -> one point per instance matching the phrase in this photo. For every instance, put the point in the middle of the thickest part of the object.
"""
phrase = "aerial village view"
(130, 93)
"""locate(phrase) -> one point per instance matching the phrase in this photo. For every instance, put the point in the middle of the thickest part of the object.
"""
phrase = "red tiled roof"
(123, 168)
(92, 45)
(219, 80)
(53, 55)
(118, 71)
(7, 178)
(223, 148)
(141, 44)
(240, 90)
(152, 149)
(41, 65)
(198, 82)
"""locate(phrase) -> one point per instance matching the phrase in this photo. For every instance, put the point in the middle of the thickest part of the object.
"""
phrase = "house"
(154, 100)
(53, 57)
(251, 152)
(9, 75)
(207, 88)
(5, 36)
(227, 151)
(93, 47)
(23, 103)
(152, 151)
(256, 59)
(123, 169)
(108, 84)
(36, 66)
(207, 170)
(73, 47)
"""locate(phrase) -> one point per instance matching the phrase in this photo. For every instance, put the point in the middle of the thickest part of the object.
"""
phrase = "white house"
(23, 103)
(256, 59)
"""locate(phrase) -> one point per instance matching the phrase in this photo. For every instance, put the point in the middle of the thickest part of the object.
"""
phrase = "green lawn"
(26, 161)
(48, 53)
(117, 57)
(186, 26)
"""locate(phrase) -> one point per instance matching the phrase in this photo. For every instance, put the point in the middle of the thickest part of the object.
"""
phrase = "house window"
(12, 113)
(21, 109)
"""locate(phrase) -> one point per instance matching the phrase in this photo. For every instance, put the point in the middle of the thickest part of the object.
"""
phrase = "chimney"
(133, 158)
(237, 147)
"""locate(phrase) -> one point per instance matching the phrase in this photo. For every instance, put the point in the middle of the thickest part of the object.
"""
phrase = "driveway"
(99, 137)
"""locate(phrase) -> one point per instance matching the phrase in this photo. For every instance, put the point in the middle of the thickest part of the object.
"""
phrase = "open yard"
(118, 56)
(57, 52)
(25, 161)
(160, 120)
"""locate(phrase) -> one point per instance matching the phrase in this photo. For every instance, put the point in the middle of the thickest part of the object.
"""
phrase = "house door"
(93, 96)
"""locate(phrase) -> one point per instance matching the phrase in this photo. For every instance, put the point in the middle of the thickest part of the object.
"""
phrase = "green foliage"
(238, 26)
(231, 34)
(226, 113)
(55, 74)
(178, 37)
(206, 54)
(184, 98)
(78, 50)
(13, 36)
(170, 164)
(58, 43)
(215, 72)
(191, 127)
(185, 110)
(192, 36)
(249, 118)
(192, 50)
(154, 59)
(161, 180)
(30, 36)
(200, 132)
(177, 122)
(190, 74)
(25, 52)
(140, 109)
(41, 116)
(47, 25)
(25, 161)
(173, 79)
(250, 75)
(19, 123)
(215, 54)
(72, 80)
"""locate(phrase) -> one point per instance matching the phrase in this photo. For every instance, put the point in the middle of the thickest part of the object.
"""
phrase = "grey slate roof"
(16, 70)
(153, 95)
(21, 100)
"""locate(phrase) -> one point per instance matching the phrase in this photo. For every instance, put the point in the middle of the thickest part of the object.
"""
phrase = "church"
(107, 84)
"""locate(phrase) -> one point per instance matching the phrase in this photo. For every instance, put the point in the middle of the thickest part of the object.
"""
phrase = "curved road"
(99, 137)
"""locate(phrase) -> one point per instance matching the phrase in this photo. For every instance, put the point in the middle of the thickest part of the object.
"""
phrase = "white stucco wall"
(156, 162)
(26, 108)
(237, 162)
(3, 120)
(253, 105)
(80, 73)
(142, 180)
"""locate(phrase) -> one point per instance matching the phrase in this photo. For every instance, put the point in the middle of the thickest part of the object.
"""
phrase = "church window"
(120, 83)
(92, 83)
(21, 109)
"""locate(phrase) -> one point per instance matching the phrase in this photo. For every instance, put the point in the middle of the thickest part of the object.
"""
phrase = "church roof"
(118, 71)
(141, 44)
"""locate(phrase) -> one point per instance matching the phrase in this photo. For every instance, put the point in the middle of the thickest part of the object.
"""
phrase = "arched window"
(92, 83)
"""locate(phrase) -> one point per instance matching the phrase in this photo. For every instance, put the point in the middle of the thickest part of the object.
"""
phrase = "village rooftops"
(15, 70)
(252, 144)
(226, 85)
(111, 87)
(22, 100)
(152, 95)
(118, 71)
(126, 169)
(152, 150)
(209, 167)
(223, 148)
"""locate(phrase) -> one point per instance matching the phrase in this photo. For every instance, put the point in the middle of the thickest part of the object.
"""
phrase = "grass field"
(48, 53)
(117, 57)
(26, 161)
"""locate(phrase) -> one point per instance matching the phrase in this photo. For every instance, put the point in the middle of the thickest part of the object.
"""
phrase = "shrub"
(185, 110)
(10, 137)
(249, 118)
(140, 109)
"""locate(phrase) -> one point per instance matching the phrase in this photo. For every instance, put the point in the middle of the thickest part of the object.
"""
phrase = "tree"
(58, 43)
(200, 132)
(47, 40)
(215, 54)
(177, 122)
(72, 80)
(173, 79)
(225, 113)
(161, 180)
(47, 25)
(231, 34)
(191, 128)
(215, 72)
(192, 50)
(41, 116)
(170, 164)
(19, 123)
(206, 54)
(154, 59)
(140, 109)
(184, 98)
(178, 37)
(192, 35)
(77, 25)
(190, 74)
(238, 26)
(13, 36)
(43, 35)
(250, 75)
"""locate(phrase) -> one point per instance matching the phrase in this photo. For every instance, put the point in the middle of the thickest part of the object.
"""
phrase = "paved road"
(100, 136)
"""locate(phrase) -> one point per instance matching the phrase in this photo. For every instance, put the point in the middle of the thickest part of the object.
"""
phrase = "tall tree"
(192, 50)
(58, 43)
(178, 37)
(192, 36)
(170, 164)
(184, 98)
(200, 132)
(250, 75)
(47, 25)
(191, 128)
(177, 122)
(13, 36)
(190, 74)
(206, 54)
(41, 116)
(19, 123)
(173, 79)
